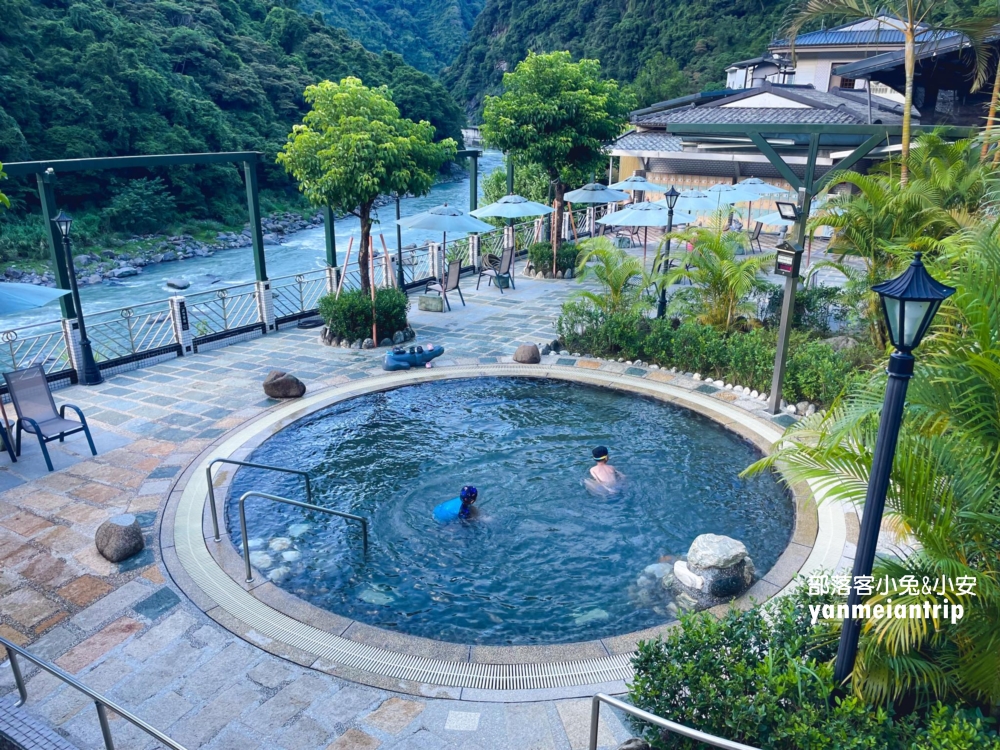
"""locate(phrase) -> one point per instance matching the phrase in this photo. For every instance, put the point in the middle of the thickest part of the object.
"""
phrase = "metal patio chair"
(450, 284)
(754, 237)
(37, 413)
(502, 269)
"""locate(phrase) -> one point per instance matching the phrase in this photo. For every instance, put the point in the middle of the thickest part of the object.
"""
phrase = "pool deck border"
(211, 574)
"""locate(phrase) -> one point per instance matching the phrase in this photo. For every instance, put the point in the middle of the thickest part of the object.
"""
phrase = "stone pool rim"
(211, 574)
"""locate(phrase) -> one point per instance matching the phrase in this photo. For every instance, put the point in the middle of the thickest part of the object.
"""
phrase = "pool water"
(542, 560)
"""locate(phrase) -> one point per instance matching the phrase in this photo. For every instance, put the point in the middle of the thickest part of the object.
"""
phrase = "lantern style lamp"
(909, 303)
(91, 374)
(670, 198)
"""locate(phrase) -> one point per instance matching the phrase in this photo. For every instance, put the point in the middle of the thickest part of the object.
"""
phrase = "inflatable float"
(415, 356)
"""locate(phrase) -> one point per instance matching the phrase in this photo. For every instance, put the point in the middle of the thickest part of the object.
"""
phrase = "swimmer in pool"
(603, 476)
(458, 507)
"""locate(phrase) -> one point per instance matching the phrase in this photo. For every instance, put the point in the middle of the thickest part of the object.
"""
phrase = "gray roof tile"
(649, 141)
(752, 116)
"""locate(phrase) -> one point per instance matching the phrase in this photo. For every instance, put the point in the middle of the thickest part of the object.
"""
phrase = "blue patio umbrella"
(694, 201)
(445, 219)
(20, 297)
(645, 215)
(760, 187)
(595, 192)
(635, 183)
(512, 207)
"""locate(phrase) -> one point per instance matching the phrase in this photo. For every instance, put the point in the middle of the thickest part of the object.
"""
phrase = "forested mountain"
(85, 78)
(702, 36)
(427, 33)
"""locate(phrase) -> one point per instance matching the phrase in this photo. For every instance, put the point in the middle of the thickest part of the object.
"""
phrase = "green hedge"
(350, 315)
(764, 677)
(540, 256)
(815, 372)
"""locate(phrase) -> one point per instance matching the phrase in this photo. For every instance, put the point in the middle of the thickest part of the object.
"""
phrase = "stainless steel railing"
(102, 703)
(670, 726)
(297, 504)
(211, 485)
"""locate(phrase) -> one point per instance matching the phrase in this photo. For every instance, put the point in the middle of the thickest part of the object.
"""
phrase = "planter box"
(430, 303)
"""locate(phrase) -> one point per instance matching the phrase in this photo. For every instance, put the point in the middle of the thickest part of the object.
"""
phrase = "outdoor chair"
(754, 237)
(5, 436)
(498, 271)
(37, 413)
(450, 284)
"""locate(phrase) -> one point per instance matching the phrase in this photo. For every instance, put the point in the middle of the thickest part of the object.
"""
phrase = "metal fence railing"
(223, 310)
(40, 344)
(131, 331)
(297, 295)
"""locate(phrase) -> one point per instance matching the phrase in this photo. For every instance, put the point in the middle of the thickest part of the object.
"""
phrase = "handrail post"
(364, 534)
(595, 718)
(243, 532)
(22, 689)
(211, 502)
(102, 716)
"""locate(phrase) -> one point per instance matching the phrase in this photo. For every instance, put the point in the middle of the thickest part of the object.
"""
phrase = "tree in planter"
(558, 114)
(354, 146)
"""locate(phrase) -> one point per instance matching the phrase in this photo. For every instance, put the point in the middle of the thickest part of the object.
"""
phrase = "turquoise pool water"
(542, 560)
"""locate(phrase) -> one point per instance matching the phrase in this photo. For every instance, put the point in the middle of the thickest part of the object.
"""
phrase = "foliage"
(622, 278)
(945, 490)
(659, 79)
(350, 315)
(721, 281)
(817, 308)
(87, 78)
(557, 114)
(540, 256)
(427, 34)
(703, 37)
(354, 146)
(530, 181)
(141, 205)
(4, 200)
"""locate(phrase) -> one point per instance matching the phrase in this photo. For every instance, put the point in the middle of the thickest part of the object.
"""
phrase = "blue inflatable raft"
(416, 356)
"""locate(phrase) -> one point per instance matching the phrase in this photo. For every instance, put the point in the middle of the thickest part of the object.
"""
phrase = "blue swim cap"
(468, 492)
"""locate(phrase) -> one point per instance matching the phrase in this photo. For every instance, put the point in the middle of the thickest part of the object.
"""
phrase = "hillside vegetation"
(84, 78)
(427, 33)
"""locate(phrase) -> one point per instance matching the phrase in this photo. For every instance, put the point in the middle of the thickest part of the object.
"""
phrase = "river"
(302, 251)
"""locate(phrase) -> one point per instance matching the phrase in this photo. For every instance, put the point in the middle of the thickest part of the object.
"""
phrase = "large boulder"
(280, 384)
(119, 538)
(723, 566)
(527, 354)
(178, 283)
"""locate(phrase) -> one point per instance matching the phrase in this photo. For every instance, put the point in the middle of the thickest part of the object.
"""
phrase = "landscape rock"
(685, 577)
(356, 344)
(124, 272)
(178, 283)
(635, 743)
(398, 337)
(368, 344)
(527, 354)
(802, 407)
(723, 564)
(569, 273)
(838, 343)
(280, 384)
(81, 260)
(430, 303)
(546, 350)
(409, 333)
(715, 551)
(119, 538)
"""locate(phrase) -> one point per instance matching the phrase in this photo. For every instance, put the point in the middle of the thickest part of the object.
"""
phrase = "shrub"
(350, 315)
(142, 205)
(584, 328)
(540, 256)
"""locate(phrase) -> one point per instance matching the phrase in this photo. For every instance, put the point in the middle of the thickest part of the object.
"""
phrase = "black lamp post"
(670, 197)
(909, 303)
(91, 374)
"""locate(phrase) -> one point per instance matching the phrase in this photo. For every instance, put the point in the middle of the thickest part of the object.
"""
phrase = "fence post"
(474, 251)
(592, 221)
(539, 225)
(265, 305)
(71, 332)
(567, 232)
(509, 238)
(434, 253)
(332, 279)
(181, 324)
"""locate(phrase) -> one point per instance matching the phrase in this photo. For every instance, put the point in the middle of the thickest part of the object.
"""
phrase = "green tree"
(4, 200)
(354, 146)
(916, 20)
(622, 278)
(659, 79)
(558, 114)
(530, 181)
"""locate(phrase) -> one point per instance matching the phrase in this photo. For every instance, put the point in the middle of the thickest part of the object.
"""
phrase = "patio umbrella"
(20, 297)
(595, 192)
(445, 219)
(635, 183)
(694, 201)
(645, 215)
(512, 207)
(731, 194)
(760, 187)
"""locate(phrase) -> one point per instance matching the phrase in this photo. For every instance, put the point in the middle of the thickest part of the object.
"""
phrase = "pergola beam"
(15, 169)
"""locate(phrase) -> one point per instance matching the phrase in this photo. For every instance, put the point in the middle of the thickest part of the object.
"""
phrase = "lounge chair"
(501, 269)
(37, 413)
(754, 237)
(450, 284)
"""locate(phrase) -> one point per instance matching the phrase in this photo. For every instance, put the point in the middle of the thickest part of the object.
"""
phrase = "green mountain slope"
(83, 78)
(427, 33)
(703, 36)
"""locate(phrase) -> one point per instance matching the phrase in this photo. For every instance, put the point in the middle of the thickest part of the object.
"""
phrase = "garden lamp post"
(909, 303)
(670, 198)
(91, 374)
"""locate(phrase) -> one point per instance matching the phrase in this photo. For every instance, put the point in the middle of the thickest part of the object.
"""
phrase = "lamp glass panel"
(913, 317)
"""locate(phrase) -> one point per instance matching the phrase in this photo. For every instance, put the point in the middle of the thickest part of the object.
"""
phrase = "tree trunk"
(991, 114)
(557, 220)
(365, 215)
(910, 64)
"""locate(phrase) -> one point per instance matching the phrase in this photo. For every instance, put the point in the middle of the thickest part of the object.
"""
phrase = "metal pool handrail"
(211, 486)
(297, 504)
(670, 726)
(102, 703)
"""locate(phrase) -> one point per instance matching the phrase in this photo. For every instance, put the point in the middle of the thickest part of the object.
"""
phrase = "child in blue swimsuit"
(458, 507)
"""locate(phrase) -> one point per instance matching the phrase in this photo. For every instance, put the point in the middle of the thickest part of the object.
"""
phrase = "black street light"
(670, 198)
(909, 303)
(91, 374)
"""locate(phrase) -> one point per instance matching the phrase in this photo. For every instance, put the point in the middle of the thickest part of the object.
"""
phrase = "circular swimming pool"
(542, 560)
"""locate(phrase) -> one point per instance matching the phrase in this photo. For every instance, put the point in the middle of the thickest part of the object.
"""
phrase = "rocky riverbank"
(151, 249)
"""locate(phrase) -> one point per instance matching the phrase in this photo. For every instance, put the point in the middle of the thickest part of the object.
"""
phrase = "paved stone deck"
(127, 631)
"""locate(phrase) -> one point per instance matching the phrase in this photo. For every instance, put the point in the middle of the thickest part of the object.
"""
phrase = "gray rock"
(280, 384)
(271, 239)
(13, 273)
(356, 344)
(724, 565)
(168, 256)
(527, 354)
(385, 342)
(811, 410)
(398, 337)
(119, 538)
(430, 303)
(178, 283)
(94, 278)
(802, 407)
(409, 333)
(556, 345)
(569, 273)
(657, 570)
(546, 350)
(635, 743)
(124, 272)
(368, 344)
(715, 551)
(837, 343)
(81, 260)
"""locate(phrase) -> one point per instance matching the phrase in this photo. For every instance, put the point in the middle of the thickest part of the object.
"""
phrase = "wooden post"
(371, 286)
(347, 262)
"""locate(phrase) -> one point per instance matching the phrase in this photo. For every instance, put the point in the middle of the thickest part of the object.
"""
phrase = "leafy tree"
(659, 79)
(915, 20)
(558, 114)
(354, 146)
(530, 181)
(4, 200)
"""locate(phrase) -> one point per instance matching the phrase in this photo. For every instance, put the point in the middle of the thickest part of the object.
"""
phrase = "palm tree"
(914, 19)
(622, 277)
(945, 491)
(721, 280)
